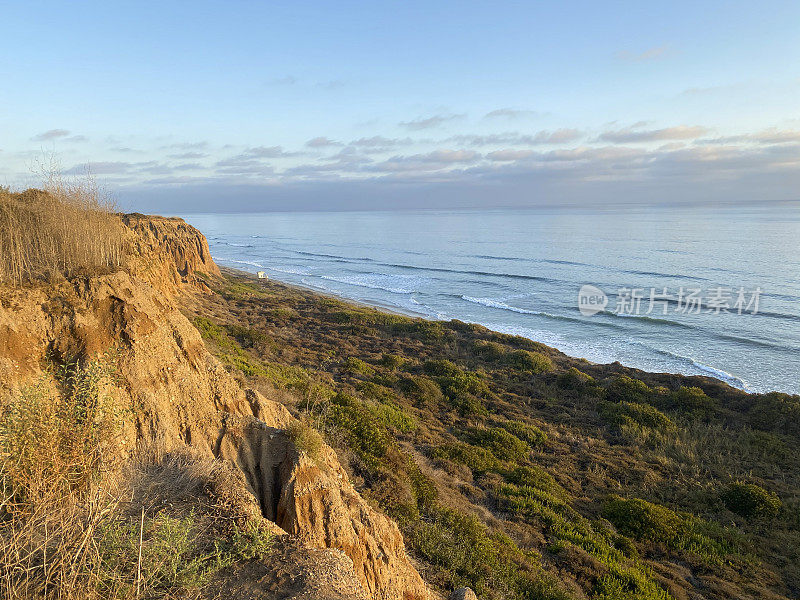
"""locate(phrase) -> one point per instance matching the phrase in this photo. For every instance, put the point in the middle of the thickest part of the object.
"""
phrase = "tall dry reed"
(64, 229)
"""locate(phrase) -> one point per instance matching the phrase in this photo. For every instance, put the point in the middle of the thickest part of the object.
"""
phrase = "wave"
(240, 262)
(704, 368)
(501, 305)
(376, 281)
(290, 270)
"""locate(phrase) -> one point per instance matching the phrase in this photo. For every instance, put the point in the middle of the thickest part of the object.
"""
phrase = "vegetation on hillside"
(75, 525)
(62, 230)
(521, 472)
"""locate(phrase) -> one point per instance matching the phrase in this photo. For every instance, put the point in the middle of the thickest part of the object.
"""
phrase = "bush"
(627, 389)
(489, 351)
(574, 379)
(364, 432)
(643, 520)
(628, 413)
(751, 501)
(504, 445)
(527, 433)
(691, 399)
(392, 361)
(529, 362)
(422, 390)
(356, 366)
(479, 460)
(306, 439)
(776, 412)
(442, 368)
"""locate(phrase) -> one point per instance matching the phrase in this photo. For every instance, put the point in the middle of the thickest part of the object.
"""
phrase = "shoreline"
(407, 313)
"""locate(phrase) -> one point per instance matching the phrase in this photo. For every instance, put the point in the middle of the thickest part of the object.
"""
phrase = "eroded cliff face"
(177, 393)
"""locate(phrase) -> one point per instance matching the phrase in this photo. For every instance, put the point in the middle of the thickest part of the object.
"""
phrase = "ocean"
(697, 291)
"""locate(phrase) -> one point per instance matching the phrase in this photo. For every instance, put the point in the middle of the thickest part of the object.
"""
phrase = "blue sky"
(254, 105)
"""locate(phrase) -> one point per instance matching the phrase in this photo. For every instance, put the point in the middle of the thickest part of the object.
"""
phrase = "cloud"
(432, 161)
(767, 136)
(559, 136)
(187, 146)
(322, 142)
(654, 53)
(634, 135)
(429, 122)
(100, 168)
(509, 155)
(509, 113)
(188, 155)
(51, 134)
(267, 152)
(379, 141)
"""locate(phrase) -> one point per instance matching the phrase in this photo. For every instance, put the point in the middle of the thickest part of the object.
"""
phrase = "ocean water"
(520, 272)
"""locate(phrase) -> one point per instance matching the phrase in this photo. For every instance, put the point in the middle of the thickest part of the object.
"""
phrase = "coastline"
(393, 310)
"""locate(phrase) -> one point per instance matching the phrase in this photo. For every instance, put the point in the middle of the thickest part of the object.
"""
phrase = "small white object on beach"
(262, 275)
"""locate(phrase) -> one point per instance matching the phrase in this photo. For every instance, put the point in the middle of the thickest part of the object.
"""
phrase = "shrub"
(504, 445)
(776, 412)
(529, 362)
(479, 460)
(574, 379)
(490, 351)
(442, 368)
(527, 433)
(536, 477)
(364, 432)
(627, 389)
(392, 361)
(422, 390)
(643, 520)
(306, 439)
(751, 501)
(627, 413)
(356, 366)
(691, 399)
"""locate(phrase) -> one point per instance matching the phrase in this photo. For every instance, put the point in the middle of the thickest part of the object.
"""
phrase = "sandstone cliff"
(179, 394)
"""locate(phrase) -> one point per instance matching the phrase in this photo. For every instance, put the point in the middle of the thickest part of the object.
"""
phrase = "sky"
(180, 107)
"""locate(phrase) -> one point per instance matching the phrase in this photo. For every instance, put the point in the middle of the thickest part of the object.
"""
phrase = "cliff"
(177, 394)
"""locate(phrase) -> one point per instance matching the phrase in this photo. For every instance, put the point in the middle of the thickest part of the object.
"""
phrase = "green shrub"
(489, 351)
(776, 412)
(643, 520)
(442, 368)
(691, 399)
(627, 389)
(503, 444)
(536, 477)
(356, 366)
(627, 413)
(527, 433)
(574, 379)
(364, 432)
(422, 390)
(529, 362)
(751, 501)
(392, 415)
(479, 460)
(392, 361)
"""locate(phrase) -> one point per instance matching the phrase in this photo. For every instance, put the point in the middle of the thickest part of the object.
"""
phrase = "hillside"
(522, 472)
(134, 464)
(171, 430)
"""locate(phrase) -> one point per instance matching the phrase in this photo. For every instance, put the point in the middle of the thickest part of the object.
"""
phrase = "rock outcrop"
(178, 393)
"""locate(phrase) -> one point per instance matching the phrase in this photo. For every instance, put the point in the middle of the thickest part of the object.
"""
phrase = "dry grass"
(62, 230)
(77, 524)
